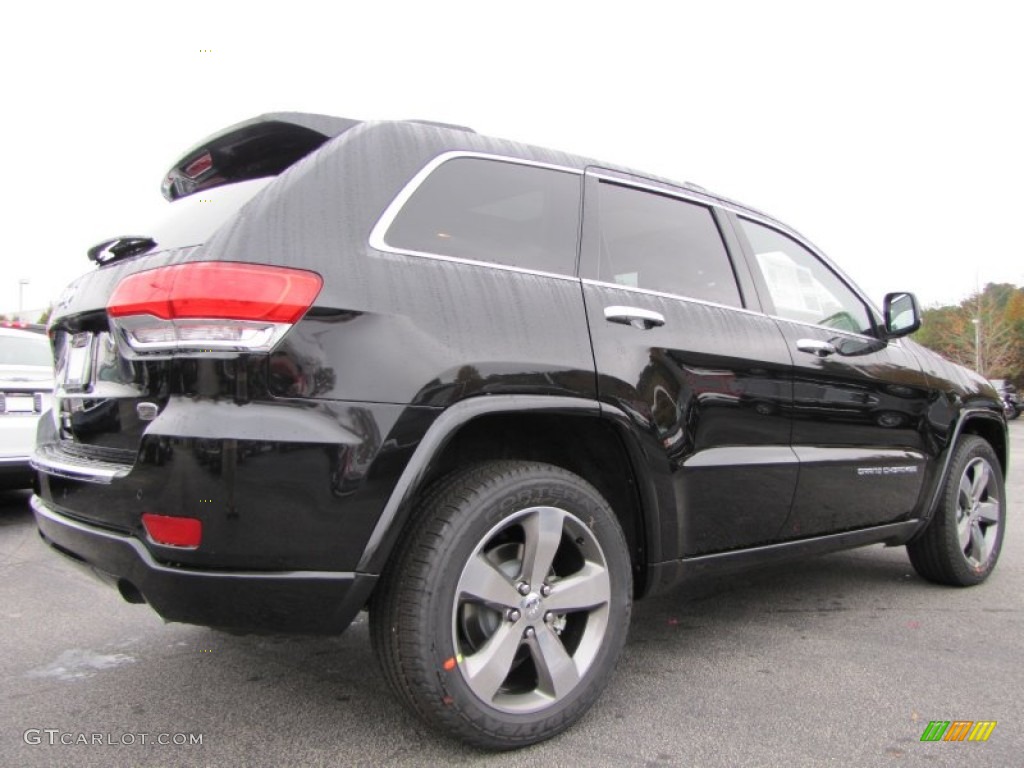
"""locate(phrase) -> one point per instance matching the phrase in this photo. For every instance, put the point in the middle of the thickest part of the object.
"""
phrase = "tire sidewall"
(972, 449)
(496, 504)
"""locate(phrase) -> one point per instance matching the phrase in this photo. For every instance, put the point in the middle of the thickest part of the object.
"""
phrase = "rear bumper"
(290, 601)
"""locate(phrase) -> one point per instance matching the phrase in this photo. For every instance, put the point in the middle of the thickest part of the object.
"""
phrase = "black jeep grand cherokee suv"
(492, 392)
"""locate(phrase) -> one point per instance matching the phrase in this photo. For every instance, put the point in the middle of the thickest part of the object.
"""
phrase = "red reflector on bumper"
(173, 531)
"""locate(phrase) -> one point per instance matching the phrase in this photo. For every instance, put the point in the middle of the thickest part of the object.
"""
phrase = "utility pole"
(21, 295)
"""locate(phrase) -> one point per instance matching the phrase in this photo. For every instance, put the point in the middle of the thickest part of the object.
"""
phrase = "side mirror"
(902, 314)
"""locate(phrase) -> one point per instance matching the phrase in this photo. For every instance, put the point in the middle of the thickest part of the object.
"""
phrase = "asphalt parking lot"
(839, 660)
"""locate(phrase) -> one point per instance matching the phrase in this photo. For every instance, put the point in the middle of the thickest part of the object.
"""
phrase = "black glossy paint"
(277, 485)
(857, 425)
(284, 601)
(727, 444)
(708, 396)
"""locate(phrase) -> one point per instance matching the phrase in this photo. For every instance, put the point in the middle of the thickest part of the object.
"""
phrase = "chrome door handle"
(816, 347)
(643, 319)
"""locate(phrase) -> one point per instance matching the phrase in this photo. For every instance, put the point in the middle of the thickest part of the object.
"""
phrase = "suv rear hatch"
(155, 322)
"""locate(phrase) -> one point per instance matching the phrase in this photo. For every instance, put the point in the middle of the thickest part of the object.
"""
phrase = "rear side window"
(490, 210)
(664, 244)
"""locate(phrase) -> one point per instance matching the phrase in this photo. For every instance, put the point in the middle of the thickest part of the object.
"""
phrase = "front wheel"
(503, 615)
(961, 544)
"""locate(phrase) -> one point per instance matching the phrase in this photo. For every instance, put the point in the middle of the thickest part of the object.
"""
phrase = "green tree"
(985, 331)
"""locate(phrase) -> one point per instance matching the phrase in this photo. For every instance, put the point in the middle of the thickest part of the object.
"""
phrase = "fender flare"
(963, 417)
(397, 509)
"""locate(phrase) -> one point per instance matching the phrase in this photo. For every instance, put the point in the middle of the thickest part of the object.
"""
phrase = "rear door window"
(663, 243)
(495, 211)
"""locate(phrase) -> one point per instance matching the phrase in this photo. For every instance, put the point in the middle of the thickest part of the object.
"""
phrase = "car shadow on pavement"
(335, 684)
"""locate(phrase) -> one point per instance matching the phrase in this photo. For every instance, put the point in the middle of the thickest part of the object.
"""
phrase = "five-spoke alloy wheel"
(978, 512)
(527, 632)
(961, 544)
(503, 616)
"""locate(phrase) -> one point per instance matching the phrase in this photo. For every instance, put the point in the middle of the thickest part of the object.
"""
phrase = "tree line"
(985, 331)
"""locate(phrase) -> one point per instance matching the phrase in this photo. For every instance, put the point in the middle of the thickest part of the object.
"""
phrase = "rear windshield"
(30, 349)
(193, 219)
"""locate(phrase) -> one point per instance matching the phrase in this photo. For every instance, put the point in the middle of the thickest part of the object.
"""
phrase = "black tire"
(1012, 413)
(450, 599)
(961, 544)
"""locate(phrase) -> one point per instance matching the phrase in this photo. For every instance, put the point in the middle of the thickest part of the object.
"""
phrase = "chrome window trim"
(712, 202)
(785, 231)
(676, 296)
(378, 243)
(474, 263)
(800, 240)
(830, 329)
(686, 194)
(690, 197)
(744, 310)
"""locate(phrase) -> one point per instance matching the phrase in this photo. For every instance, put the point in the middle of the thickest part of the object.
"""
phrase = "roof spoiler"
(262, 146)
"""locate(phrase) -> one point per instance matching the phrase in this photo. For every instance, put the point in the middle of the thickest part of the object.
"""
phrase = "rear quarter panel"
(402, 328)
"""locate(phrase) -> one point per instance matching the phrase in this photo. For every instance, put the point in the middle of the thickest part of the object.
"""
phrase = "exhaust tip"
(130, 592)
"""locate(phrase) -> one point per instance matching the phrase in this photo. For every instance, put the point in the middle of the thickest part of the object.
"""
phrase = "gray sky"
(889, 133)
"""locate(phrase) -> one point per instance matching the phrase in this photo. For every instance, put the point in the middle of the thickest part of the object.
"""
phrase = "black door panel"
(706, 385)
(857, 430)
(711, 390)
(858, 401)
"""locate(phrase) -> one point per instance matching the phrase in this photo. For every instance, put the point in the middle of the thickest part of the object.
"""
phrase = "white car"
(26, 387)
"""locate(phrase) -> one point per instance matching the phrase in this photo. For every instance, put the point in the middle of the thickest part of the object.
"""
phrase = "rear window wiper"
(120, 248)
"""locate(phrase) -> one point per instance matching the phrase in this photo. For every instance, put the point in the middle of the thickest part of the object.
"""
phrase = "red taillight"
(199, 166)
(173, 531)
(223, 290)
(210, 306)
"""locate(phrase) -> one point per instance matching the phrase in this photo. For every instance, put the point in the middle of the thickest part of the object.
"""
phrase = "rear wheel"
(961, 544)
(502, 617)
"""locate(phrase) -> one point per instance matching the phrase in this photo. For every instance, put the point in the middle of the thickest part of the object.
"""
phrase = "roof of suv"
(269, 143)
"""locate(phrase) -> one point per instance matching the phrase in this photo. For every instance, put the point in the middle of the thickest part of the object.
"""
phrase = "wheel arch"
(992, 430)
(983, 423)
(567, 432)
(959, 543)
